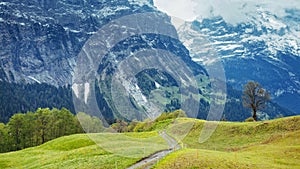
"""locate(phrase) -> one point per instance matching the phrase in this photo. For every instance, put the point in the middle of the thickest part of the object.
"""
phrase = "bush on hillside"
(250, 119)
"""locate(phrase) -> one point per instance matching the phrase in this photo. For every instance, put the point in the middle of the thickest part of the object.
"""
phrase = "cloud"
(182, 9)
(233, 11)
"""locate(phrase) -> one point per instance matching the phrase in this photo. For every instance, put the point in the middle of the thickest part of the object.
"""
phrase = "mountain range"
(41, 40)
(265, 48)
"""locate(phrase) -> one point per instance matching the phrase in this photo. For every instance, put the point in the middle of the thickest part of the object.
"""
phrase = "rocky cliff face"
(40, 40)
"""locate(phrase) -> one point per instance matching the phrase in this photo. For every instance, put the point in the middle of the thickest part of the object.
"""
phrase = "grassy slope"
(79, 151)
(269, 144)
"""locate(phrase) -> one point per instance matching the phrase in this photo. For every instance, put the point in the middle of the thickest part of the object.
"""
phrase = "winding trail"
(149, 161)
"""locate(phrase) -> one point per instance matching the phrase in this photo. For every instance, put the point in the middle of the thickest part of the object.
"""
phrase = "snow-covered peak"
(268, 33)
(141, 2)
(268, 22)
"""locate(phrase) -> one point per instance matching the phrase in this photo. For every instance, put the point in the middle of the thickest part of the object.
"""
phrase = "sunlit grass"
(232, 135)
(268, 144)
(105, 150)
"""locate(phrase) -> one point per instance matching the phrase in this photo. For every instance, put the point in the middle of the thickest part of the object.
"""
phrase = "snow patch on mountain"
(141, 2)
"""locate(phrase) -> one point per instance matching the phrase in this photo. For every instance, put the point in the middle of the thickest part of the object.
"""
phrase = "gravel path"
(148, 162)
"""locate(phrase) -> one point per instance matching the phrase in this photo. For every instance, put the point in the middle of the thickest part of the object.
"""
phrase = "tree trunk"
(254, 115)
(43, 137)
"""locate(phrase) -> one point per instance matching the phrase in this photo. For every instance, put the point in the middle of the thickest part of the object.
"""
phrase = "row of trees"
(35, 128)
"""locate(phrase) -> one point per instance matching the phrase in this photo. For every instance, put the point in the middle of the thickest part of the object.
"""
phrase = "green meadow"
(267, 144)
(264, 144)
(104, 150)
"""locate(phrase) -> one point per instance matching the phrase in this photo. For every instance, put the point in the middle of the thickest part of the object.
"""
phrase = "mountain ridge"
(265, 49)
(41, 40)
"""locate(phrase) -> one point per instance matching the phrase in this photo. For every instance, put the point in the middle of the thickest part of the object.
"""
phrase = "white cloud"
(233, 11)
(182, 9)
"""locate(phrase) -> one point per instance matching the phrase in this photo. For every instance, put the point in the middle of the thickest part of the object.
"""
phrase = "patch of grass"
(142, 134)
(125, 145)
(268, 144)
(231, 135)
(277, 154)
(192, 158)
(68, 143)
(105, 150)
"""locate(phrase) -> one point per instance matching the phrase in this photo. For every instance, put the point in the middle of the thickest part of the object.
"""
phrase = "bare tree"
(255, 97)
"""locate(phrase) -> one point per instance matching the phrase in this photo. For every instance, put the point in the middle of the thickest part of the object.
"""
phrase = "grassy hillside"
(79, 151)
(268, 144)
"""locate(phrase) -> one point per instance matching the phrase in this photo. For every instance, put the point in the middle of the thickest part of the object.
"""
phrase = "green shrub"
(170, 115)
(250, 119)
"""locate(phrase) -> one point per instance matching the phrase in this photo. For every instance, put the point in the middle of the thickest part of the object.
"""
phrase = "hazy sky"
(231, 10)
